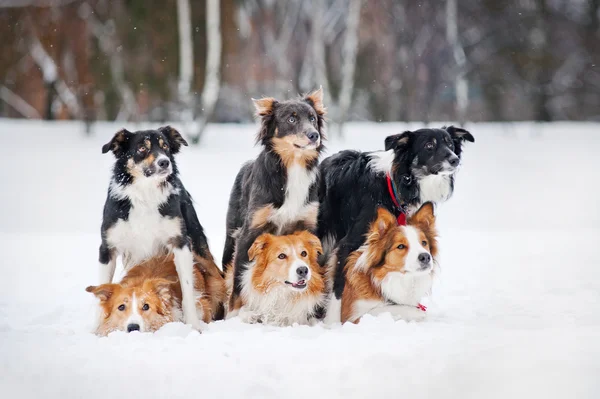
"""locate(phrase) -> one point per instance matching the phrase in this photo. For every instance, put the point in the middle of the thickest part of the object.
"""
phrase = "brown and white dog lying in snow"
(391, 272)
(283, 283)
(149, 296)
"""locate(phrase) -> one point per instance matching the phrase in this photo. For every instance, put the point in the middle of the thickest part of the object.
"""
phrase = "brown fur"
(269, 271)
(382, 256)
(289, 153)
(261, 216)
(264, 106)
(156, 281)
(317, 99)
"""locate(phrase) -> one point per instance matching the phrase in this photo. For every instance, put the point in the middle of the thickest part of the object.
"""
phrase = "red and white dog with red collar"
(391, 273)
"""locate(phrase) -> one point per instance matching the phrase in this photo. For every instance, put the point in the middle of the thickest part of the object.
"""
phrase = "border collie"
(277, 192)
(149, 296)
(282, 283)
(415, 167)
(148, 211)
(391, 272)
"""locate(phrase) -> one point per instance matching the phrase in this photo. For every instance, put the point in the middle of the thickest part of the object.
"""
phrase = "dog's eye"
(401, 246)
(303, 254)
(142, 149)
(121, 307)
(424, 243)
(312, 119)
(165, 147)
(429, 146)
(145, 307)
(292, 119)
(282, 256)
(406, 179)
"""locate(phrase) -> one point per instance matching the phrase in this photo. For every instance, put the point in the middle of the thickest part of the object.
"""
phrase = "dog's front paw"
(194, 322)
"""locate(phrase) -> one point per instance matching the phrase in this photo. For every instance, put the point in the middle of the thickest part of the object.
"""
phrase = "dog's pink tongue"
(301, 282)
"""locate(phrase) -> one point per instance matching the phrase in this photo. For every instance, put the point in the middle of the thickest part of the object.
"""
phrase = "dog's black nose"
(133, 327)
(313, 136)
(454, 161)
(302, 271)
(424, 258)
(164, 163)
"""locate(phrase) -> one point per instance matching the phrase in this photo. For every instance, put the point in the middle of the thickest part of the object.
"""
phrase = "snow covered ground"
(515, 314)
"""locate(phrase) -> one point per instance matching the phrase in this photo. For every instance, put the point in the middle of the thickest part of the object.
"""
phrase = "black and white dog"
(277, 192)
(148, 211)
(416, 167)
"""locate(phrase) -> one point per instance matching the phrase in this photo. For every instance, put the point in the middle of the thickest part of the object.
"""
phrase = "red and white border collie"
(283, 283)
(149, 296)
(391, 272)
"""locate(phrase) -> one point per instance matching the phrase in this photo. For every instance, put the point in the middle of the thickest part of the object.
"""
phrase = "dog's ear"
(102, 292)
(174, 137)
(258, 246)
(315, 99)
(376, 243)
(461, 134)
(119, 143)
(265, 106)
(398, 141)
(311, 240)
(162, 286)
(265, 109)
(424, 220)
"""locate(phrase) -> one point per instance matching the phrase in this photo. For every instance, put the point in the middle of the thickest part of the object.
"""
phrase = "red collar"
(402, 216)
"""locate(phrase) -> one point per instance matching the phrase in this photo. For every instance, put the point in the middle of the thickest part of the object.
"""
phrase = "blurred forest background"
(377, 60)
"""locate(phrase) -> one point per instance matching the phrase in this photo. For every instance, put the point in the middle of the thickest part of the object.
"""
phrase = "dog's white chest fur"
(294, 207)
(145, 232)
(406, 289)
(435, 188)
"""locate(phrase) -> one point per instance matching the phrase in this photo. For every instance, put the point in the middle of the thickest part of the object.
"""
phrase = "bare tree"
(349, 53)
(109, 44)
(20, 105)
(186, 63)
(461, 86)
(212, 75)
(53, 80)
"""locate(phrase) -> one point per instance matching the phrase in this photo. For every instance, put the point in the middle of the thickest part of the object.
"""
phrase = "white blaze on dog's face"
(286, 261)
(143, 308)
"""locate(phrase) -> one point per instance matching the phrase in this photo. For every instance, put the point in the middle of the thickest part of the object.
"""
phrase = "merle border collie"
(277, 192)
(416, 167)
(148, 211)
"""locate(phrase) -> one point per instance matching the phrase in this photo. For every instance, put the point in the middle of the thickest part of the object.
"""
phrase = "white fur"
(399, 312)
(294, 207)
(334, 310)
(381, 161)
(134, 317)
(146, 232)
(107, 271)
(435, 188)
(415, 248)
(279, 306)
(184, 263)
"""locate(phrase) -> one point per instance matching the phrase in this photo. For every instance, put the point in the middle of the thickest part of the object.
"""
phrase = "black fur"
(351, 188)
(126, 147)
(263, 182)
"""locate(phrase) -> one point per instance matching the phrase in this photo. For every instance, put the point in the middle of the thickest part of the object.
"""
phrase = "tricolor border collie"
(391, 272)
(416, 167)
(282, 284)
(148, 211)
(277, 192)
(149, 296)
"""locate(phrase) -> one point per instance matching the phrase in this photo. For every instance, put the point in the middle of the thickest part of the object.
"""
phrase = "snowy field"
(515, 313)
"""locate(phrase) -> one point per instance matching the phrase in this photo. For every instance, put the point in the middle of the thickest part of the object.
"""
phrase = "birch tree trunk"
(186, 63)
(20, 105)
(461, 86)
(52, 80)
(109, 44)
(349, 52)
(212, 75)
